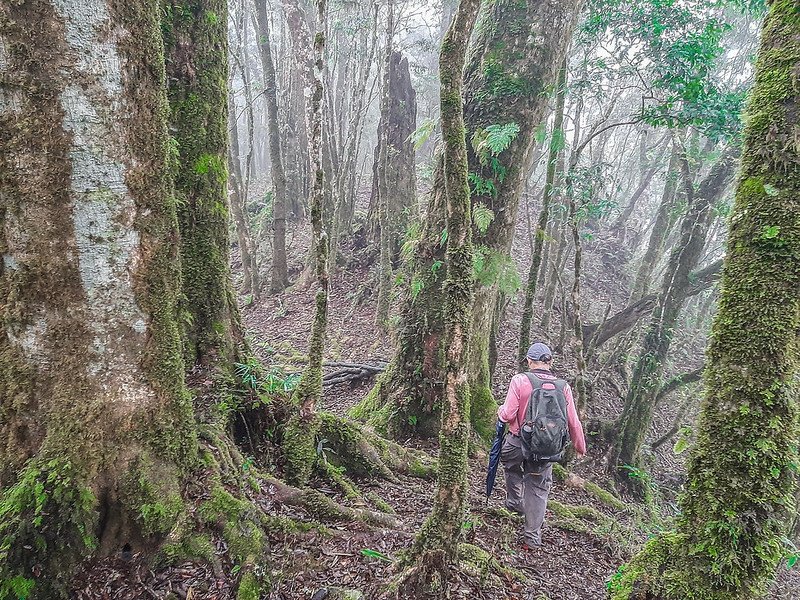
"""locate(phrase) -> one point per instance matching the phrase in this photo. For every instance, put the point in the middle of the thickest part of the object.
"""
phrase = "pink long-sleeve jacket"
(519, 393)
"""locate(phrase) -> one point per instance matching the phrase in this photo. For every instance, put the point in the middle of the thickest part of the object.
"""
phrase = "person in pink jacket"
(528, 484)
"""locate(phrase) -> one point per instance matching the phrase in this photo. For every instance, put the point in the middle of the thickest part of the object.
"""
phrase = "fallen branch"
(348, 372)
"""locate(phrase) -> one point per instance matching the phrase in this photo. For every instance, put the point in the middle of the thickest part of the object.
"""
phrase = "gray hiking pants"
(527, 488)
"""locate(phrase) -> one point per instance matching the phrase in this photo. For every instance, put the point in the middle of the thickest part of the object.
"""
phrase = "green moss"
(249, 587)
(559, 472)
(604, 496)
(151, 492)
(47, 520)
(240, 521)
(194, 546)
(300, 449)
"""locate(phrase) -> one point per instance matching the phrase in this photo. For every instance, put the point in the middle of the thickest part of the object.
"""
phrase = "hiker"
(528, 452)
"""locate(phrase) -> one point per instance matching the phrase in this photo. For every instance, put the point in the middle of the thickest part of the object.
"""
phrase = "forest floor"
(587, 535)
(590, 528)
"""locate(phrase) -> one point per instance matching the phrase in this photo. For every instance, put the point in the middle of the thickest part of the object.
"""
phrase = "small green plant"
(375, 554)
(412, 420)
(422, 133)
(792, 554)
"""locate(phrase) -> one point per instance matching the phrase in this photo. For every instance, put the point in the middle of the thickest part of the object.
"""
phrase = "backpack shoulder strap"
(536, 383)
(560, 386)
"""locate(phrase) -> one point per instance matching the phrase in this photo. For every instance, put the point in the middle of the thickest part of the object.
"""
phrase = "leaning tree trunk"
(511, 92)
(664, 221)
(97, 424)
(300, 447)
(280, 274)
(640, 401)
(197, 74)
(435, 547)
(741, 473)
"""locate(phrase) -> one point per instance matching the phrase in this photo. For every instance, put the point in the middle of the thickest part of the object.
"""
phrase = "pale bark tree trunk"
(280, 274)
(94, 404)
(300, 448)
(741, 477)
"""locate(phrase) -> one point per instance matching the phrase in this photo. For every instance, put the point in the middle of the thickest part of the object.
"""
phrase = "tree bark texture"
(741, 476)
(435, 548)
(197, 87)
(300, 447)
(96, 421)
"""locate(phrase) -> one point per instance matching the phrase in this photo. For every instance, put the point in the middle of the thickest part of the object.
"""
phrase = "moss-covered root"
(363, 453)
(600, 494)
(243, 526)
(325, 509)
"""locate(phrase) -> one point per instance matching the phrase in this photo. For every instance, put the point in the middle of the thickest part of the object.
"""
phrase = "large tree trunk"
(640, 401)
(435, 547)
(511, 91)
(197, 74)
(96, 421)
(742, 470)
(398, 126)
(280, 274)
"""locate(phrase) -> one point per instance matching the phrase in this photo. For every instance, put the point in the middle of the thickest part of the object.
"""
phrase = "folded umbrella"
(494, 457)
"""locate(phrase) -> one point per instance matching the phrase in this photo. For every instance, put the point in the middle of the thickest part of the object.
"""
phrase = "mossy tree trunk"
(554, 152)
(300, 434)
(97, 424)
(435, 548)
(639, 404)
(501, 87)
(741, 473)
(195, 40)
(280, 275)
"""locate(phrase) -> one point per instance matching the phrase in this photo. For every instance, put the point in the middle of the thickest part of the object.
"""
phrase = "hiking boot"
(530, 547)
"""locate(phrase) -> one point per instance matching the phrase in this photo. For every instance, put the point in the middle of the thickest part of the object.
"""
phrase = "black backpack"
(544, 432)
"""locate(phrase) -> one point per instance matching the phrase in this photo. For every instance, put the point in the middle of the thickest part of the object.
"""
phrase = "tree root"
(324, 508)
(363, 453)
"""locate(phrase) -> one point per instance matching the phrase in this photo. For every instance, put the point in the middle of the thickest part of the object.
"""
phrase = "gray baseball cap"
(539, 352)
